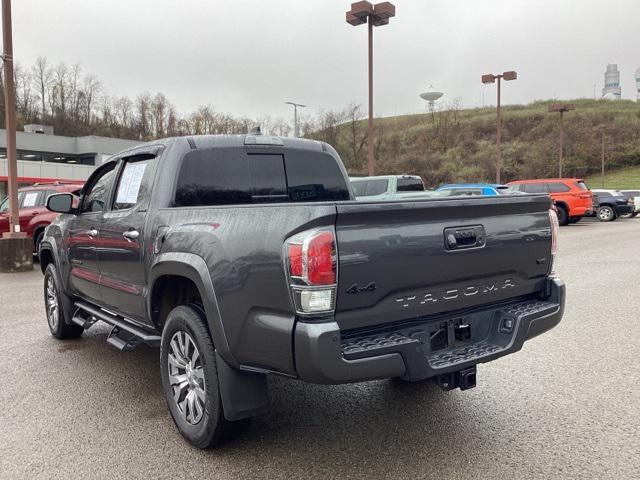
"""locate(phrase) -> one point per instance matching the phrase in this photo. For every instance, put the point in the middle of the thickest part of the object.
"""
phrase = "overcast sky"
(248, 57)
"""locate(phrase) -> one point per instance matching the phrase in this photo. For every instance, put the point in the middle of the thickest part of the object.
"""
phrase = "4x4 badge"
(370, 287)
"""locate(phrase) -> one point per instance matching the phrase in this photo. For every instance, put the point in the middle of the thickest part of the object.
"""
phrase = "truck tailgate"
(407, 260)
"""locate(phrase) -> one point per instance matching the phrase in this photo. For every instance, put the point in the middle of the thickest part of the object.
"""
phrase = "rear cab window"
(236, 176)
(368, 188)
(410, 184)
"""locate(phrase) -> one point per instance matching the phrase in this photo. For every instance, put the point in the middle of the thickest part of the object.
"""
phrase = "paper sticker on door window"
(30, 199)
(130, 183)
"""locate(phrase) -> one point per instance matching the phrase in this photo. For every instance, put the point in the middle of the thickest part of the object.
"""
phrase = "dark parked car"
(610, 204)
(242, 256)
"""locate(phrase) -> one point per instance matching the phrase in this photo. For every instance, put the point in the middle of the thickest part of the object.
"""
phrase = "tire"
(606, 213)
(54, 307)
(575, 219)
(563, 216)
(197, 406)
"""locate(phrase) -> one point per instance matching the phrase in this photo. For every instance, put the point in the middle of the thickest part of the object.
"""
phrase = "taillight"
(320, 259)
(312, 266)
(555, 229)
(294, 251)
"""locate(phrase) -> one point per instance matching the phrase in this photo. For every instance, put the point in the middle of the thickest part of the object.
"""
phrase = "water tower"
(431, 96)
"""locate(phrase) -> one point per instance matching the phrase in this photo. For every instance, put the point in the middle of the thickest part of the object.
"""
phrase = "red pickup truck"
(34, 216)
(571, 196)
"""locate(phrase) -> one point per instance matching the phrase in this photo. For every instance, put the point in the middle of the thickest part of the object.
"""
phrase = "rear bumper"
(579, 211)
(322, 355)
(624, 209)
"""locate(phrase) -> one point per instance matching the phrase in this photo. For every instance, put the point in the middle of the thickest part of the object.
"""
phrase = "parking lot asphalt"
(566, 406)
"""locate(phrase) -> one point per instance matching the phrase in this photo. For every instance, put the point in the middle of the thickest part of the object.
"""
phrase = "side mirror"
(60, 203)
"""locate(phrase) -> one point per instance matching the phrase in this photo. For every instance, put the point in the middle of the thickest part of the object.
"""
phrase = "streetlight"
(295, 116)
(491, 78)
(602, 153)
(562, 108)
(374, 16)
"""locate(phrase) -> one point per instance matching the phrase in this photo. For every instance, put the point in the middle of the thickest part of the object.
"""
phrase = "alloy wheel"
(605, 213)
(186, 377)
(51, 299)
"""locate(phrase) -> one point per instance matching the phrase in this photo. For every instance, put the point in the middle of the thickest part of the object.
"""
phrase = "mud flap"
(244, 394)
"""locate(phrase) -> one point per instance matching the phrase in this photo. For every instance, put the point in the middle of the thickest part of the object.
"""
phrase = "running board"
(124, 336)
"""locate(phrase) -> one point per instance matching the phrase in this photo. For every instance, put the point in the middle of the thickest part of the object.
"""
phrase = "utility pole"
(15, 247)
(10, 119)
(562, 108)
(296, 131)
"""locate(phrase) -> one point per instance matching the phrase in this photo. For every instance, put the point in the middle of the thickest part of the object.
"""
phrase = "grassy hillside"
(626, 179)
(456, 145)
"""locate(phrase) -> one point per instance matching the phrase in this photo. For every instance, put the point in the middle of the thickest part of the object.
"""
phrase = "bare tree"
(42, 79)
(357, 133)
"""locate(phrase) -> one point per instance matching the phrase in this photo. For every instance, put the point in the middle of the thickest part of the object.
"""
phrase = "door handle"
(131, 234)
(92, 233)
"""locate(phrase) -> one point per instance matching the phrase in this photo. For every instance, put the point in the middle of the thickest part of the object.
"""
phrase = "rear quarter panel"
(242, 247)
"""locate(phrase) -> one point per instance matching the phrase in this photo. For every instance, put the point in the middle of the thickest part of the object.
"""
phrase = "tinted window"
(581, 185)
(314, 176)
(534, 188)
(134, 183)
(557, 187)
(97, 193)
(213, 177)
(367, 188)
(231, 176)
(410, 185)
(268, 177)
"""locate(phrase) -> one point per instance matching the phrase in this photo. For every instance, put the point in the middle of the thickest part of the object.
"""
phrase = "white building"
(612, 88)
(45, 157)
(638, 84)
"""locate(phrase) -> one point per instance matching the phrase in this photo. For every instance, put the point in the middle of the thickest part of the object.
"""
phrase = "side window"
(4, 206)
(31, 199)
(97, 193)
(557, 187)
(134, 184)
(535, 188)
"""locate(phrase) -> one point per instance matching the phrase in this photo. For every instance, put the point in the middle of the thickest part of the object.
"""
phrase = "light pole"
(374, 16)
(491, 78)
(562, 108)
(295, 116)
(602, 156)
(15, 248)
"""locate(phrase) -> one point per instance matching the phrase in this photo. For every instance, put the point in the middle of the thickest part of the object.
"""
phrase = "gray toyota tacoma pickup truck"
(243, 256)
